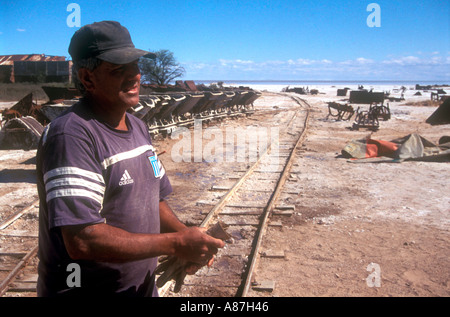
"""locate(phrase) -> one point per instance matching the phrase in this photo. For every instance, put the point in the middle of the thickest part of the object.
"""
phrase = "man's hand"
(196, 246)
(176, 267)
(192, 268)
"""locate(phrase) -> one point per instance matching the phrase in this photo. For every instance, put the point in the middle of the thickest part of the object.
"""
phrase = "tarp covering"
(366, 148)
(441, 115)
(410, 147)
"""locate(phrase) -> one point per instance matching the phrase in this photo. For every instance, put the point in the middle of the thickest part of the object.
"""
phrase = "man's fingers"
(210, 262)
(215, 243)
(198, 246)
(191, 268)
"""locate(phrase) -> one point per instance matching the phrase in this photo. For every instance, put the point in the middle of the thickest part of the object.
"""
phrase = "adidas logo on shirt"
(126, 179)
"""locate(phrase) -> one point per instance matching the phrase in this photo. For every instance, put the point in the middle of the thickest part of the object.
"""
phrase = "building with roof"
(34, 68)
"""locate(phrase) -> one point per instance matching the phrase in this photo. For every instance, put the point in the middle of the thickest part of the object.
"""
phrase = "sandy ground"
(369, 229)
(359, 229)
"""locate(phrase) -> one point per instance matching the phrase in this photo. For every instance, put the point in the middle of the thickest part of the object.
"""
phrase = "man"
(103, 220)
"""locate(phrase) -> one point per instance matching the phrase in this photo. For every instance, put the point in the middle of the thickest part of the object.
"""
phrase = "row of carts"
(23, 124)
(163, 112)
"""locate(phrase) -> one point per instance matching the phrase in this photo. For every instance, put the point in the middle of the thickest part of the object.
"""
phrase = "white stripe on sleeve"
(74, 193)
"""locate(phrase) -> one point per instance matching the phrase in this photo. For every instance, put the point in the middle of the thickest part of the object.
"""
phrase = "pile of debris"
(22, 125)
(412, 147)
(340, 111)
(363, 118)
(370, 119)
(301, 90)
(437, 91)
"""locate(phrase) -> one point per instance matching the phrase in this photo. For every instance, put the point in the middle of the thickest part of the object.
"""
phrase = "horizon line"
(321, 80)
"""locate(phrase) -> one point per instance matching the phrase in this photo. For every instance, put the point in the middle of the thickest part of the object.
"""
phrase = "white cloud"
(234, 62)
(20, 30)
(277, 63)
(302, 61)
(405, 60)
(223, 62)
(243, 62)
(362, 60)
(428, 66)
(434, 59)
(198, 65)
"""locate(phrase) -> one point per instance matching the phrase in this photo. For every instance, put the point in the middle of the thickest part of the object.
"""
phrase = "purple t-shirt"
(90, 173)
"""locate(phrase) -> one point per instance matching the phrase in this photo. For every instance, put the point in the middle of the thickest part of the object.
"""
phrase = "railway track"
(247, 209)
(18, 250)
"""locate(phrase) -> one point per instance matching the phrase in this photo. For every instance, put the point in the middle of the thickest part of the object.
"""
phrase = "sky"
(255, 39)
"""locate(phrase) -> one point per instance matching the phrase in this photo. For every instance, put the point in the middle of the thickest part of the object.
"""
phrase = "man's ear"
(85, 76)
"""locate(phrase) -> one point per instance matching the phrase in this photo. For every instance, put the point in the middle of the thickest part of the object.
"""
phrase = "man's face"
(116, 86)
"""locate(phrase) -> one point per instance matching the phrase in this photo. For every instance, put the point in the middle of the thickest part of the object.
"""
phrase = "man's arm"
(102, 242)
(170, 223)
(168, 220)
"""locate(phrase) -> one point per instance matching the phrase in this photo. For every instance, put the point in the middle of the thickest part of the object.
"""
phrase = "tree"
(160, 70)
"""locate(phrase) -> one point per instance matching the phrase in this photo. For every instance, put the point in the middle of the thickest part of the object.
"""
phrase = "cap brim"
(124, 55)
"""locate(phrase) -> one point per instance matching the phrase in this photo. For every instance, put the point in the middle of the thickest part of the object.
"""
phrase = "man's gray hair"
(90, 63)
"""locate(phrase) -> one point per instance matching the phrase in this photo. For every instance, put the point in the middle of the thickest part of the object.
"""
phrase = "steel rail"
(17, 215)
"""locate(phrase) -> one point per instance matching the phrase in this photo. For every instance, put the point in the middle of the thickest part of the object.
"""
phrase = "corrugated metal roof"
(10, 59)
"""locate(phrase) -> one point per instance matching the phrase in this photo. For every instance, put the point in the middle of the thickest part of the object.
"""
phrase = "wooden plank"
(282, 212)
(279, 155)
(243, 223)
(18, 233)
(277, 254)
(264, 286)
(12, 252)
(245, 206)
(22, 287)
(6, 267)
(285, 207)
(202, 202)
(276, 224)
(28, 278)
(220, 187)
